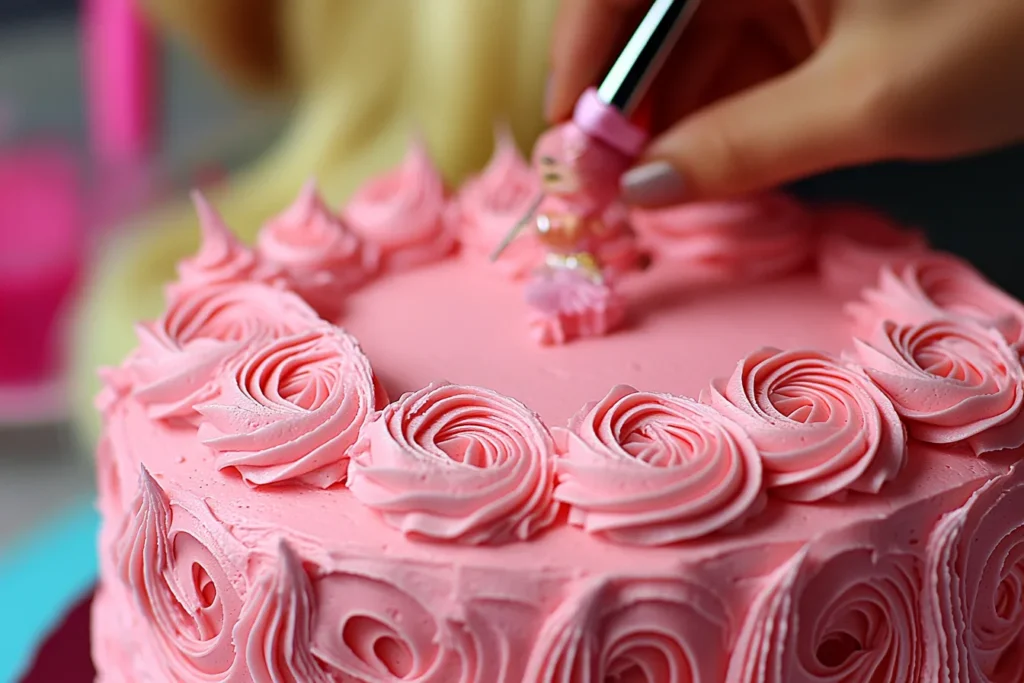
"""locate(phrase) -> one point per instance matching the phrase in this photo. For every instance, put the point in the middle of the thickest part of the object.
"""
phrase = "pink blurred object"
(120, 80)
(566, 305)
(42, 251)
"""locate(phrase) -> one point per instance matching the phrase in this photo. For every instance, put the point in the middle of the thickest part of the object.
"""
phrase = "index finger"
(586, 36)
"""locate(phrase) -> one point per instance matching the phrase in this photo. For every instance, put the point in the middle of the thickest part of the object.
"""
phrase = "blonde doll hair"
(365, 76)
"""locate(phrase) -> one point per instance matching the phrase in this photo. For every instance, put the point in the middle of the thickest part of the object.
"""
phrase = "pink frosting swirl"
(950, 382)
(273, 631)
(654, 469)
(821, 428)
(857, 243)
(845, 615)
(489, 205)
(457, 463)
(974, 587)
(180, 355)
(322, 258)
(658, 630)
(292, 409)
(174, 563)
(221, 258)
(368, 628)
(748, 239)
(939, 286)
(403, 213)
(566, 305)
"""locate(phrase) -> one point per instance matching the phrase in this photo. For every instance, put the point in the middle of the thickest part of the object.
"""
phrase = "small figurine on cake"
(580, 163)
(586, 238)
(579, 219)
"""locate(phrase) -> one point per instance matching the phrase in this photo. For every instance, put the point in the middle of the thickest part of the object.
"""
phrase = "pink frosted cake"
(781, 450)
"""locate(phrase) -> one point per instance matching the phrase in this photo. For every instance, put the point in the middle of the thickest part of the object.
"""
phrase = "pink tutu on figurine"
(565, 304)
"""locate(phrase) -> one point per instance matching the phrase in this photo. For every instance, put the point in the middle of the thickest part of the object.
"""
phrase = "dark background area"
(973, 207)
(21, 10)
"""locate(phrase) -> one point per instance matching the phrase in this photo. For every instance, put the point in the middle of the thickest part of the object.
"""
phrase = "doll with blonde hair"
(364, 78)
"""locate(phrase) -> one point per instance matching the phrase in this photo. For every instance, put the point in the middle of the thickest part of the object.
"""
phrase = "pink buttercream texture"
(950, 383)
(402, 214)
(292, 409)
(221, 258)
(856, 243)
(741, 240)
(459, 464)
(181, 355)
(268, 516)
(654, 469)
(320, 255)
(938, 286)
(821, 428)
(491, 204)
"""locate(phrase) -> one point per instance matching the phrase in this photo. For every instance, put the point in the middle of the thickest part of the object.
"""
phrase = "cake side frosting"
(268, 515)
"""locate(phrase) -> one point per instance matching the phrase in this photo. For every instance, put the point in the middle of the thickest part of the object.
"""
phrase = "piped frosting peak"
(221, 258)
(402, 213)
(489, 205)
(322, 257)
(181, 355)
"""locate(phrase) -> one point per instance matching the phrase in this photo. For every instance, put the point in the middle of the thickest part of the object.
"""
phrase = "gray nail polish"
(655, 184)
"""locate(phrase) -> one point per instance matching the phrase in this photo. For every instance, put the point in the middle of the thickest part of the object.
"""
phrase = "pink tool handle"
(608, 125)
(120, 81)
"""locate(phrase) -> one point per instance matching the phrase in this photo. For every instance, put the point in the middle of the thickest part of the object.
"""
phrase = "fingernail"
(655, 184)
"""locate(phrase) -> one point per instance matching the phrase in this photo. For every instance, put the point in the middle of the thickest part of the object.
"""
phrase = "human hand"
(764, 92)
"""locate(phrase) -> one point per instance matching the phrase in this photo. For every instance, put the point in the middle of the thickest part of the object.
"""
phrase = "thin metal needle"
(514, 232)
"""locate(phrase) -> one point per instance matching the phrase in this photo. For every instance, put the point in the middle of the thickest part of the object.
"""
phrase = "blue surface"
(40, 577)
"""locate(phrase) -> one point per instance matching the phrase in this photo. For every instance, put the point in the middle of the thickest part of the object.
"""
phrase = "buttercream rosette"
(974, 587)
(370, 627)
(653, 469)
(274, 629)
(491, 204)
(938, 286)
(177, 565)
(839, 613)
(221, 258)
(821, 428)
(322, 258)
(457, 463)
(180, 355)
(291, 409)
(856, 243)
(643, 630)
(750, 239)
(403, 213)
(949, 382)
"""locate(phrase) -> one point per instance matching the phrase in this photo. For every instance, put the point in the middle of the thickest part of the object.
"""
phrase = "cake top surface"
(719, 370)
(455, 321)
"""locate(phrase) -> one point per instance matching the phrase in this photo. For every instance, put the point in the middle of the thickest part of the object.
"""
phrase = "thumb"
(808, 120)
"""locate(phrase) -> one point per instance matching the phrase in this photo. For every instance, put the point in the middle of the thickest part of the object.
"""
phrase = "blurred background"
(65, 184)
(108, 115)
